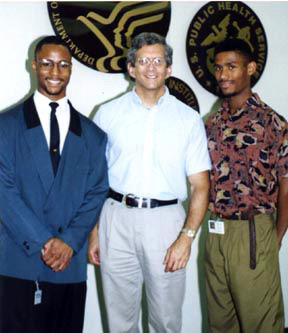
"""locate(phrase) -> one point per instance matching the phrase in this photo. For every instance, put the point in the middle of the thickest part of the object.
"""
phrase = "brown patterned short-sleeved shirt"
(249, 153)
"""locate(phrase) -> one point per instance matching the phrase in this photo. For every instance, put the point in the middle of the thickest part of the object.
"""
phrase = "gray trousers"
(133, 244)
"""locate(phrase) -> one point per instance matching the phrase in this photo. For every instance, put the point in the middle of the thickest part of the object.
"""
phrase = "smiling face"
(52, 80)
(233, 73)
(150, 70)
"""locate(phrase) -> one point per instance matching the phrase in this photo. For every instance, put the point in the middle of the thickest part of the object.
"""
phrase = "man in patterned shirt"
(248, 144)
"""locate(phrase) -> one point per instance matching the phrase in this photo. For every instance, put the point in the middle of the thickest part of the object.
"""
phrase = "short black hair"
(55, 40)
(148, 38)
(237, 45)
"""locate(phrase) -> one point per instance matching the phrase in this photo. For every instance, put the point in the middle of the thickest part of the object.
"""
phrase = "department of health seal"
(99, 33)
(215, 22)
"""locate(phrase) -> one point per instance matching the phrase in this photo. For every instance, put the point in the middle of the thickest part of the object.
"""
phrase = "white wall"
(22, 22)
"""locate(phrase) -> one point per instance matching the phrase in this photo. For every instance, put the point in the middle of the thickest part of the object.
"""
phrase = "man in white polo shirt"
(154, 142)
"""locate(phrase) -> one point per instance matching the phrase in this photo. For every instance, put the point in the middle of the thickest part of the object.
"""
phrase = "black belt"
(238, 215)
(131, 200)
(252, 231)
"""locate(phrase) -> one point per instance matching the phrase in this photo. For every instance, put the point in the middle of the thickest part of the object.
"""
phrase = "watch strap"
(189, 232)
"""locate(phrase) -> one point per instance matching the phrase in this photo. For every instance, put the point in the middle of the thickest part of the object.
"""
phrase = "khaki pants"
(133, 244)
(241, 299)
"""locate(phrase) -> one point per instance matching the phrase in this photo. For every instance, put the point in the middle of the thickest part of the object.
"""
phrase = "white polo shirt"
(150, 152)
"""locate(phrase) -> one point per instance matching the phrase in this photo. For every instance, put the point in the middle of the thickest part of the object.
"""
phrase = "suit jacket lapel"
(72, 150)
(37, 143)
(73, 147)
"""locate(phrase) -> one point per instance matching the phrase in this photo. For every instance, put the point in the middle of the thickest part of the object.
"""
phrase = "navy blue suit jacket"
(35, 205)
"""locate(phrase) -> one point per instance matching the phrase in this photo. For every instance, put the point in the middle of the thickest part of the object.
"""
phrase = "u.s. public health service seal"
(215, 22)
(99, 33)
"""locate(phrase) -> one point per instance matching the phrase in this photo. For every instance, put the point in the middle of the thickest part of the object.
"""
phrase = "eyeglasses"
(47, 65)
(145, 61)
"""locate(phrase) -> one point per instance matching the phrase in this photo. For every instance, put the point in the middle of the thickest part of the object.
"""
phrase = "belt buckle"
(239, 215)
(126, 196)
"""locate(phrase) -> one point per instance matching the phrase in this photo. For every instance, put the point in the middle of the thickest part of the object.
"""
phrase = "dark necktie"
(54, 137)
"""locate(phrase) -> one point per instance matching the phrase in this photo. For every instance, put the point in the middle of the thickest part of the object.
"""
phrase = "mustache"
(222, 80)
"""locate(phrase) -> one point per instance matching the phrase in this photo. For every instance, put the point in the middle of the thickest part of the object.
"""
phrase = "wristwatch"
(189, 232)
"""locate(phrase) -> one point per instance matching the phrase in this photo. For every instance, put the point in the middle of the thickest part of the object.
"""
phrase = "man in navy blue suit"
(53, 182)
